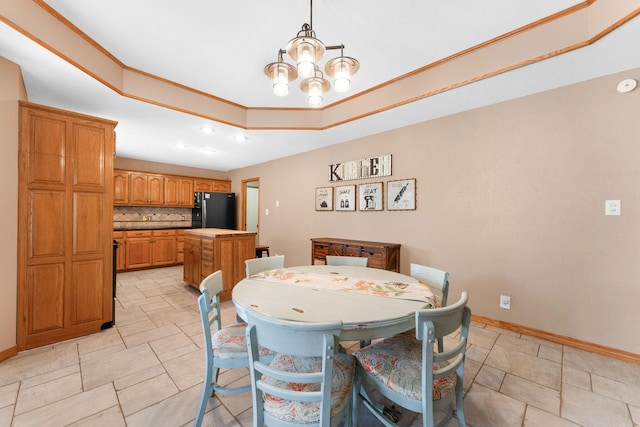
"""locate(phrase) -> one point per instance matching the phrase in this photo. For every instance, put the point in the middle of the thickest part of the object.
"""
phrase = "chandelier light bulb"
(341, 85)
(281, 81)
(341, 75)
(315, 101)
(315, 93)
(306, 58)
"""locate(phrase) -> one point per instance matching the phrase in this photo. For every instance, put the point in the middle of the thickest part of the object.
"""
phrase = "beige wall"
(11, 90)
(510, 198)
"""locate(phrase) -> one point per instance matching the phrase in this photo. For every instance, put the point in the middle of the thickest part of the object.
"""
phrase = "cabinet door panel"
(46, 229)
(164, 250)
(156, 190)
(121, 260)
(171, 191)
(138, 252)
(186, 193)
(120, 188)
(45, 297)
(89, 152)
(88, 220)
(86, 293)
(47, 150)
(200, 184)
(138, 188)
(222, 186)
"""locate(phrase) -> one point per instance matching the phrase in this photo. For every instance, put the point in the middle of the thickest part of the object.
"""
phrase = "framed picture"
(370, 197)
(401, 195)
(346, 198)
(324, 198)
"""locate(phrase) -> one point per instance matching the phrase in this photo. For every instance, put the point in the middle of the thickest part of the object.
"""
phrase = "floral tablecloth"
(341, 283)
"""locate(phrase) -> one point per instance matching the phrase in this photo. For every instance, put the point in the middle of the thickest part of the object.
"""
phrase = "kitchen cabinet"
(178, 191)
(146, 189)
(218, 185)
(138, 253)
(380, 255)
(121, 188)
(192, 260)
(222, 186)
(180, 246)
(217, 249)
(149, 248)
(163, 247)
(121, 258)
(202, 184)
(65, 213)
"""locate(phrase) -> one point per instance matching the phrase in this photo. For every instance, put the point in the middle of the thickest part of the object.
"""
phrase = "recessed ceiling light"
(207, 129)
(180, 145)
(241, 138)
(208, 150)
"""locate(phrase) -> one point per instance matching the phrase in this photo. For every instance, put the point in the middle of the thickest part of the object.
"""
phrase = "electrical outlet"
(505, 302)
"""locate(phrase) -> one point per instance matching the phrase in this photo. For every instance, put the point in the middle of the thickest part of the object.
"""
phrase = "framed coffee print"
(401, 195)
(324, 199)
(346, 198)
(370, 196)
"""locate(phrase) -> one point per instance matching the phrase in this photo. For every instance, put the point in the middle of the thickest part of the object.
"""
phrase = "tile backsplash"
(135, 217)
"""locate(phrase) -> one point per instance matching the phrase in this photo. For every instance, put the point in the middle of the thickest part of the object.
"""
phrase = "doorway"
(251, 206)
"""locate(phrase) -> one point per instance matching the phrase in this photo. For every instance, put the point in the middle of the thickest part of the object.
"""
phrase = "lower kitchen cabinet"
(147, 248)
(163, 247)
(138, 249)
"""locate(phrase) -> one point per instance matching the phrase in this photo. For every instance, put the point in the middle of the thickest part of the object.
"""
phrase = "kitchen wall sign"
(346, 198)
(401, 195)
(371, 167)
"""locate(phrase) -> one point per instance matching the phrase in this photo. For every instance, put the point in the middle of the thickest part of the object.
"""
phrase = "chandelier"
(306, 50)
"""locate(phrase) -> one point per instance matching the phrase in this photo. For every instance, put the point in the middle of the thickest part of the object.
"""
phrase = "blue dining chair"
(225, 348)
(437, 281)
(408, 371)
(307, 383)
(357, 261)
(258, 265)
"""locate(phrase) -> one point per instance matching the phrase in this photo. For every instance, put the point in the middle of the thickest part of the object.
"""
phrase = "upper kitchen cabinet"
(146, 189)
(222, 186)
(202, 184)
(178, 191)
(120, 188)
(65, 214)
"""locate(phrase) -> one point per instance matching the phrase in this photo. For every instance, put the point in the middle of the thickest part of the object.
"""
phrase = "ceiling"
(220, 49)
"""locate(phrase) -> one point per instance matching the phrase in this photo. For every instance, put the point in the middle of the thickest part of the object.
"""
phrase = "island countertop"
(213, 232)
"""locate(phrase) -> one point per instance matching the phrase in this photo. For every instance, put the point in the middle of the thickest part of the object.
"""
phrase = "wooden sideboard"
(381, 255)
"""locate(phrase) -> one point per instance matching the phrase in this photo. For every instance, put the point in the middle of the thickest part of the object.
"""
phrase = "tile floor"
(147, 371)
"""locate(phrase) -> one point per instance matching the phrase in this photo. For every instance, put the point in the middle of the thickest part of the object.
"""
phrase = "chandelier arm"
(334, 47)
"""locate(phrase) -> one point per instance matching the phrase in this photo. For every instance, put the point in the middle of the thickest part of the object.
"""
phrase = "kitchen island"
(211, 249)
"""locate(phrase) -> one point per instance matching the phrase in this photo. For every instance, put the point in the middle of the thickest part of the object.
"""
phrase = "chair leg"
(207, 392)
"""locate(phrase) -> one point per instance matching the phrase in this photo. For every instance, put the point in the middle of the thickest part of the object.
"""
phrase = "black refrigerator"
(214, 210)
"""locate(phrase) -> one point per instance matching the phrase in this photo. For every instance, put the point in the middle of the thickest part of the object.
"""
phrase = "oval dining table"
(371, 303)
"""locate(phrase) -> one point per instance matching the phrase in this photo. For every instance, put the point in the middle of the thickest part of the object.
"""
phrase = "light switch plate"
(612, 207)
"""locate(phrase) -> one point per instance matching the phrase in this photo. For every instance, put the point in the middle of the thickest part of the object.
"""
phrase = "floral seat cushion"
(309, 412)
(397, 363)
(230, 342)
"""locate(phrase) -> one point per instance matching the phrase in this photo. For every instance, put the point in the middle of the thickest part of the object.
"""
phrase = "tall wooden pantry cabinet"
(65, 211)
